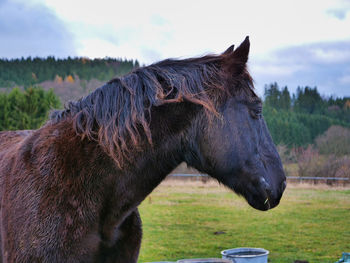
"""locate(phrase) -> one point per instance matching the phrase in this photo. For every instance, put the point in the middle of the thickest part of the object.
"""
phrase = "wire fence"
(315, 179)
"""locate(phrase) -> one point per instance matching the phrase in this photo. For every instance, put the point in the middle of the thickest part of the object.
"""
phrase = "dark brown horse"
(70, 190)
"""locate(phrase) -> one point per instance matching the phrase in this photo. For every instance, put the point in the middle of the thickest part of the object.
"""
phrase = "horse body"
(75, 204)
(70, 190)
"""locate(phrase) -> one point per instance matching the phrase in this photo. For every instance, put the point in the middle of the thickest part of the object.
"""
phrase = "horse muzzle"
(263, 197)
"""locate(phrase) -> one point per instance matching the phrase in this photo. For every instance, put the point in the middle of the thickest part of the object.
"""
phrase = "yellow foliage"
(84, 60)
(58, 79)
(347, 105)
(69, 79)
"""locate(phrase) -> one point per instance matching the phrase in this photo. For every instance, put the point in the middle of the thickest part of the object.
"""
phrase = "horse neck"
(172, 129)
(151, 165)
(77, 156)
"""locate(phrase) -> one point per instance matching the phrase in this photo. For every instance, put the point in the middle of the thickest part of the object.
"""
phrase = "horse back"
(8, 139)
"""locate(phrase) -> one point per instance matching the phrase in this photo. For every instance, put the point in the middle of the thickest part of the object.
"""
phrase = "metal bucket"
(204, 260)
(246, 255)
(198, 260)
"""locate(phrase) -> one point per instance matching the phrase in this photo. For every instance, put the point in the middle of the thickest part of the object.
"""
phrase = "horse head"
(236, 147)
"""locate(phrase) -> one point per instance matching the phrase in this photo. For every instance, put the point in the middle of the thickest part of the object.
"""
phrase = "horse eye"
(256, 113)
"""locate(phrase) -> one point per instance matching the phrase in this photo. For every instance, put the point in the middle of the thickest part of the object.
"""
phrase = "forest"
(297, 119)
(30, 71)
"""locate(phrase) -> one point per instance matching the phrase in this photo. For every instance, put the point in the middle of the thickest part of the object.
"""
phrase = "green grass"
(179, 221)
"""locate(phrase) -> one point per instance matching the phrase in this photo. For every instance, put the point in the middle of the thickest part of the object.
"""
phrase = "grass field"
(180, 220)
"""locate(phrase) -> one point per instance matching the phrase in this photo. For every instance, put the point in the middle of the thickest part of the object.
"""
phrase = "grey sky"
(293, 42)
(32, 29)
(325, 65)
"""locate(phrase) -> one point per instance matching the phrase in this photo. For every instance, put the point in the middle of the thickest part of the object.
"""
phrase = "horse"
(70, 189)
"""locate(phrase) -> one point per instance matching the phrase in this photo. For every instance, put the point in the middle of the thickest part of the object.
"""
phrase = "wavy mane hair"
(119, 113)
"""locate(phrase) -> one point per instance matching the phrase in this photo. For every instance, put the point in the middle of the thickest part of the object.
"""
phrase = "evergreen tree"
(272, 95)
(285, 100)
(28, 109)
(308, 100)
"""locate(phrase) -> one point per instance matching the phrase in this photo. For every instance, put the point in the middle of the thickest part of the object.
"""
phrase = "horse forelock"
(117, 115)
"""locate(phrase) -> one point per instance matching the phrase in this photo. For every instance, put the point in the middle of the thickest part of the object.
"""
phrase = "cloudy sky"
(293, 42)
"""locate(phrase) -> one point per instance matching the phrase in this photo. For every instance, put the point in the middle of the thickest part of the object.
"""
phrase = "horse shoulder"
(47, 205)
(10, 141)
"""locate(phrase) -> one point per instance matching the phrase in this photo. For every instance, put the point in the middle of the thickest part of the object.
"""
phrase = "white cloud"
(345, 80)
(274, 70)
(331, 55)
(187, 28)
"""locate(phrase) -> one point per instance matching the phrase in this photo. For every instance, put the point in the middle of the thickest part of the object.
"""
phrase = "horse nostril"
(268, 192)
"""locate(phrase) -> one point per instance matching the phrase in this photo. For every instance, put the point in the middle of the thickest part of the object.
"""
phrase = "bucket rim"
(227, 252)
(207, 259)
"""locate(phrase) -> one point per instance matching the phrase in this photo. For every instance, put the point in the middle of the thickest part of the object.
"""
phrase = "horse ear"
(229, 50)
(242, 52)
(235, 61)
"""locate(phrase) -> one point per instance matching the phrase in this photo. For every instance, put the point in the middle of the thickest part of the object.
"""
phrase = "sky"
(293, 42)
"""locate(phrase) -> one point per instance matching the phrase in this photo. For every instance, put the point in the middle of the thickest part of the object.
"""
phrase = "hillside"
(70, 78)
(298, 119)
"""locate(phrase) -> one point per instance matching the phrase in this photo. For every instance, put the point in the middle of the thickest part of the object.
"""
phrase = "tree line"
(298, 119)
(30, 71)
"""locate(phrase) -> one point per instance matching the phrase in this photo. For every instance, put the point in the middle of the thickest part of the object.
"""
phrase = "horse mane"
(119, 113)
